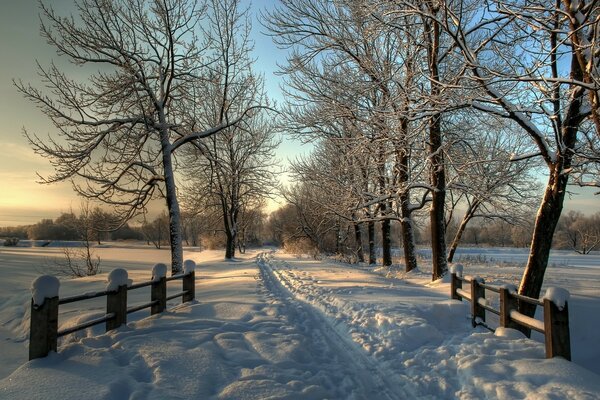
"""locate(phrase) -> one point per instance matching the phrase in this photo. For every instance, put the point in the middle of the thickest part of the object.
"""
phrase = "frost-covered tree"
(532, 64)
(233, 171)
(118, 129)
(484, 182)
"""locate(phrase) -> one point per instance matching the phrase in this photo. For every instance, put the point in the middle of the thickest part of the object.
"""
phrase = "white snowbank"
(558, 296)
(159, 271)
(45, 286)
(116, 278)
(188, 266)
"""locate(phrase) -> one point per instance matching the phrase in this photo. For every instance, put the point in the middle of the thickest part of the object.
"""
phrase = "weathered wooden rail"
(554, 327)
(43, 330)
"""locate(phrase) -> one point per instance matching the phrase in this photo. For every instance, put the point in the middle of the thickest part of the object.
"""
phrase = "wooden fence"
(43, 330)
(554, 327)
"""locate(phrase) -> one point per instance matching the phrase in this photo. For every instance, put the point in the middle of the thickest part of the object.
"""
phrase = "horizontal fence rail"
(554, 327)
(43, 330)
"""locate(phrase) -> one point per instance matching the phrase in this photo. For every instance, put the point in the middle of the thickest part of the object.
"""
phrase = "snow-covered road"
(271, 326)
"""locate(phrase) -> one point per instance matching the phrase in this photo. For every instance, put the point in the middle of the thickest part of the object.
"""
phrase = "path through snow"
(282, 328)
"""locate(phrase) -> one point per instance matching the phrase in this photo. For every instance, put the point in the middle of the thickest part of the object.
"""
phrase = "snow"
(189, 266)
(275, 326)
(117, 278)
(456, 269)
(44, 287)
(524, 319)
(159, 271)
(558, 296)
(509, 333)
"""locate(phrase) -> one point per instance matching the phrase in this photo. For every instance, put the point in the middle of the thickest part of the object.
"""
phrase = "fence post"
(43, 324)
(116, 302)
(189, 281)
(507, 304)
(43, 329)
(556, 330)
(159, 288)
(477, 292)
(159, 294)
(455, 283)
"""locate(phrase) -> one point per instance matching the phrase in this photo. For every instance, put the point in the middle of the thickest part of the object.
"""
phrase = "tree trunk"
(360, 255)
(172, 204)
(230, 245)
(541, 242)
(386, 241)
(461, 229)
(408, 236)
(371, 234)
(437, 172)
(408, 243)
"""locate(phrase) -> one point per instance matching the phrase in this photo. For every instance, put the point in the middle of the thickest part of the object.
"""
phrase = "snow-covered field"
(270, 325)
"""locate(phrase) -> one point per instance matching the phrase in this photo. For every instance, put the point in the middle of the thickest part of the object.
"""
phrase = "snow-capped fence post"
(477, 292)
(556, 323)
(43, 329)
(116, 298)
(455, 281)
(189, 281)
(158, 291)
(507, 304)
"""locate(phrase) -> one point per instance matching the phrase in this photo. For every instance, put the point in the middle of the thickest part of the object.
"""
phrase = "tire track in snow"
(373, 380)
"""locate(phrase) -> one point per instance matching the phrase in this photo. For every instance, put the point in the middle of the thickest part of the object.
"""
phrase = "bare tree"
(119, 129)
(514, 54)
(486, 182)
(235, 169)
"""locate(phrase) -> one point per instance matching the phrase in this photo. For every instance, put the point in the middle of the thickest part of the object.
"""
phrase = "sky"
(22, 199)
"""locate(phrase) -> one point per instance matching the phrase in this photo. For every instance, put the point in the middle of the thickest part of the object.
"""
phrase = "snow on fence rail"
(554, 327)
(43, 329)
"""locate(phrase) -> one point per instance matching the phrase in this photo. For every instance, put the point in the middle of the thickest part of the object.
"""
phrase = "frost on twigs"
(558, 296)
(159, 271)
(44, 287)
(188, 266)
(456, 269)
(117, 277)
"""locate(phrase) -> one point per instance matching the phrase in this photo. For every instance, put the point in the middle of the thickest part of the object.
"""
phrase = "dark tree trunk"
(437, 174)
(358, 244)
(461, 229)
(408, 236)
(408, 243)
(371, 234)
(554, 194)
(230, 246)
(541, 242)
(386, 241)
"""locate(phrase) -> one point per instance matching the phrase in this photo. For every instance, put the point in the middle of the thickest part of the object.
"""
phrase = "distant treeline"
(302, 233)
(68, 227)
(96, 225)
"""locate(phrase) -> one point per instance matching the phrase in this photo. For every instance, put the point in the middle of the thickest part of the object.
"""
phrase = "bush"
(301, 246)
(12, 242)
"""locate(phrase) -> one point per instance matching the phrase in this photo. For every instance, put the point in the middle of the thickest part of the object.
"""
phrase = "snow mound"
(45, 286)
(558, 296)
(509, 333)
(159, 271)
(117, 277)
(188, 266)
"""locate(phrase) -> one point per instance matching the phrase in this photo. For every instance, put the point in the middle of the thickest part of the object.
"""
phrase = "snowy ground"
(275, 326)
